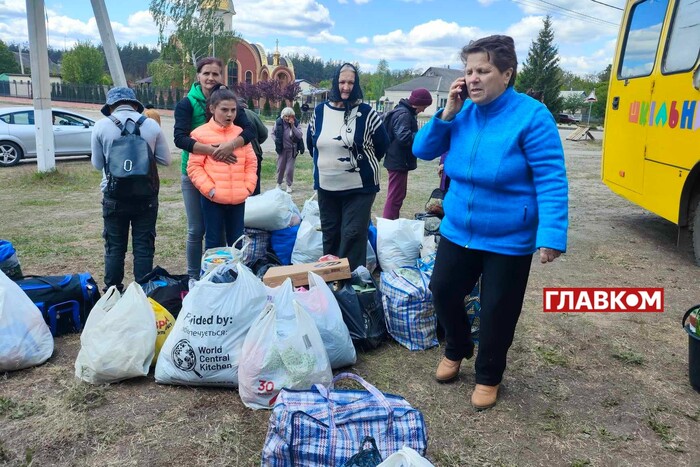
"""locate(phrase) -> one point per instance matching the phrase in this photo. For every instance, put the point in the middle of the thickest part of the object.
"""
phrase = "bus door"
(630, 93)
(673, 144)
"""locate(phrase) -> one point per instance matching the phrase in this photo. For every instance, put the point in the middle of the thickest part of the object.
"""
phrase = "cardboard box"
(328, 270)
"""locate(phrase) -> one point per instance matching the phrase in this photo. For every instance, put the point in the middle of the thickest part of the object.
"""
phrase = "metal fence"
(160, 98)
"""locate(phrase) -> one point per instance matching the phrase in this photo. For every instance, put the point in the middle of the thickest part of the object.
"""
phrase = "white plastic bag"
(204, 346)
(271, 210)
(214, 257)
(406, 457)
(281, 350)
(25, 339)
(322, 306)
(398, 242)
(428, 246)
(311, 208)
(119, 338)
(308, 247)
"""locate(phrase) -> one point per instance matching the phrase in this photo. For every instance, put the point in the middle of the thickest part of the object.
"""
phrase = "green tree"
(135, 59)
(573, 104)
(267, 110)
(541, 70)
(196, 31)
(601, 93)
(8, 63)
(84, 64)
(297, 111)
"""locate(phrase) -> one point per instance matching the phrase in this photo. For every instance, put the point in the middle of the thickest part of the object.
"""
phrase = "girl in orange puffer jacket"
(224, 186)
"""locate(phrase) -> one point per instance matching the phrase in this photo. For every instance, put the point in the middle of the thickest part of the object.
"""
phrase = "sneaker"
(289, 189)
(280, 187)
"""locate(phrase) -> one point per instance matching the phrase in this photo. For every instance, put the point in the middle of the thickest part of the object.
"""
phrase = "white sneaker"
(289, 189)
(280, 187)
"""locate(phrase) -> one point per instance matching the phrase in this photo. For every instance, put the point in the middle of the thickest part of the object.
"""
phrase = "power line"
(571, 14)
(611, 6)
(576, 12)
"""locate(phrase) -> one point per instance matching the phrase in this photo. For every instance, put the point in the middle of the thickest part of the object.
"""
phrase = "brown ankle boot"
(447, 370)
(484, 397)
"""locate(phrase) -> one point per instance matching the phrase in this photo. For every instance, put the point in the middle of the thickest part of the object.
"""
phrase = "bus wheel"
(695, 225)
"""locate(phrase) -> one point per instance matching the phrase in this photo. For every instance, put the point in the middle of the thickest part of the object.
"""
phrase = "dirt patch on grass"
(608, 389)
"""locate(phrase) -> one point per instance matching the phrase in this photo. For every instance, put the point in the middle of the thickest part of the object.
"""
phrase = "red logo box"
(603, 300)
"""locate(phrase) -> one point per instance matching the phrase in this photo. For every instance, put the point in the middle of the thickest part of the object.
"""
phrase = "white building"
(436, 80)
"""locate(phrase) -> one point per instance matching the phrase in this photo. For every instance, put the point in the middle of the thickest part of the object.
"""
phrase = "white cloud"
(12, 9)
(276, 18)
(437, 40)
(325, 37)
(486, 2)
(362, 40)
(298, 49)
(360, 2)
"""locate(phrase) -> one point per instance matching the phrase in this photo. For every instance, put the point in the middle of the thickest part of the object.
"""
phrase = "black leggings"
(503, 282)
(344, 221)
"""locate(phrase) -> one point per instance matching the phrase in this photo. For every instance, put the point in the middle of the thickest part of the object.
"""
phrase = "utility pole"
(108, 43)
(39, 63)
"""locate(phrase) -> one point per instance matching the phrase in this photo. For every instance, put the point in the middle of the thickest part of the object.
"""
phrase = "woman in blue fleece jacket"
(508, 197)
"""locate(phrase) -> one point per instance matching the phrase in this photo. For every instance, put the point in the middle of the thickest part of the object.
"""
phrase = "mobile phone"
(464, 93)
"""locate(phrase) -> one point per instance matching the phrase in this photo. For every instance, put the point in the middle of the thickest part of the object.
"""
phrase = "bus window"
(642, 38)
(684, 38)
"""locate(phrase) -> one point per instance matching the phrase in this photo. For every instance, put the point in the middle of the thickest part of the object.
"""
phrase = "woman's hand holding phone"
(455, 99)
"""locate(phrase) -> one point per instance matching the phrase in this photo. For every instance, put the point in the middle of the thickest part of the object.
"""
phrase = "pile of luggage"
(277, 344)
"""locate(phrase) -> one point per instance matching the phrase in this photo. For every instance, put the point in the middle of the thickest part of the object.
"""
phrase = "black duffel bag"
(361, 305)
(165, 288)
(64, 301)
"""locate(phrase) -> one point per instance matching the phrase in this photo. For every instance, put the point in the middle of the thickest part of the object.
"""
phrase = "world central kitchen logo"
(655, 113)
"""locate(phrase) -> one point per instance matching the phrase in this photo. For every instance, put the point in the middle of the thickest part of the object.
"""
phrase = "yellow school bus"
(651, 148)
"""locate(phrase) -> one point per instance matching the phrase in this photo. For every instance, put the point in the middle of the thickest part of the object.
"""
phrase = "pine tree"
(541, 71)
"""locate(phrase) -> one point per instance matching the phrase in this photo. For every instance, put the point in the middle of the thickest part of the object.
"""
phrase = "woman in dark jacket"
(402, 125)
(347, 140)
(190, 113)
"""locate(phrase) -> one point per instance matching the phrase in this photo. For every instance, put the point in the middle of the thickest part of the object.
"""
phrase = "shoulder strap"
(116, 122)
(122, 126)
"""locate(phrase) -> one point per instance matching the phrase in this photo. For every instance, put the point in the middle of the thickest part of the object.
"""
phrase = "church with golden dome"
(250, 63)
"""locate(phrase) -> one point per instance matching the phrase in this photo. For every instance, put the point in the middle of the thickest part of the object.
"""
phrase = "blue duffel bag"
(64, 301)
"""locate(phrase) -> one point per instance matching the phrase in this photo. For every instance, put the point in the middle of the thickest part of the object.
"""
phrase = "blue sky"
(412, 34)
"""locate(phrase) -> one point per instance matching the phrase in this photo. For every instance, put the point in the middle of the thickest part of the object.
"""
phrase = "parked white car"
(71, 133)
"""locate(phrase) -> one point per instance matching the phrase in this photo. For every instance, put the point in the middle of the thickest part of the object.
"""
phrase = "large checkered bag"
(259, 244)
(408, 308)
(326, 426)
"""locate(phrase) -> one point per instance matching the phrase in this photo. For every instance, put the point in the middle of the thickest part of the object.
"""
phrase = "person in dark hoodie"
(347, 140)
(402, 125)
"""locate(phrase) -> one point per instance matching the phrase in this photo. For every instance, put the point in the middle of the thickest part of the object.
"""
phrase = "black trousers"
(344, 222)
(503, 282)
(118, 217)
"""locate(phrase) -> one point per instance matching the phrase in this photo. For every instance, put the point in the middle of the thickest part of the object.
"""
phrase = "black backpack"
(131, 167)
(388, 124)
